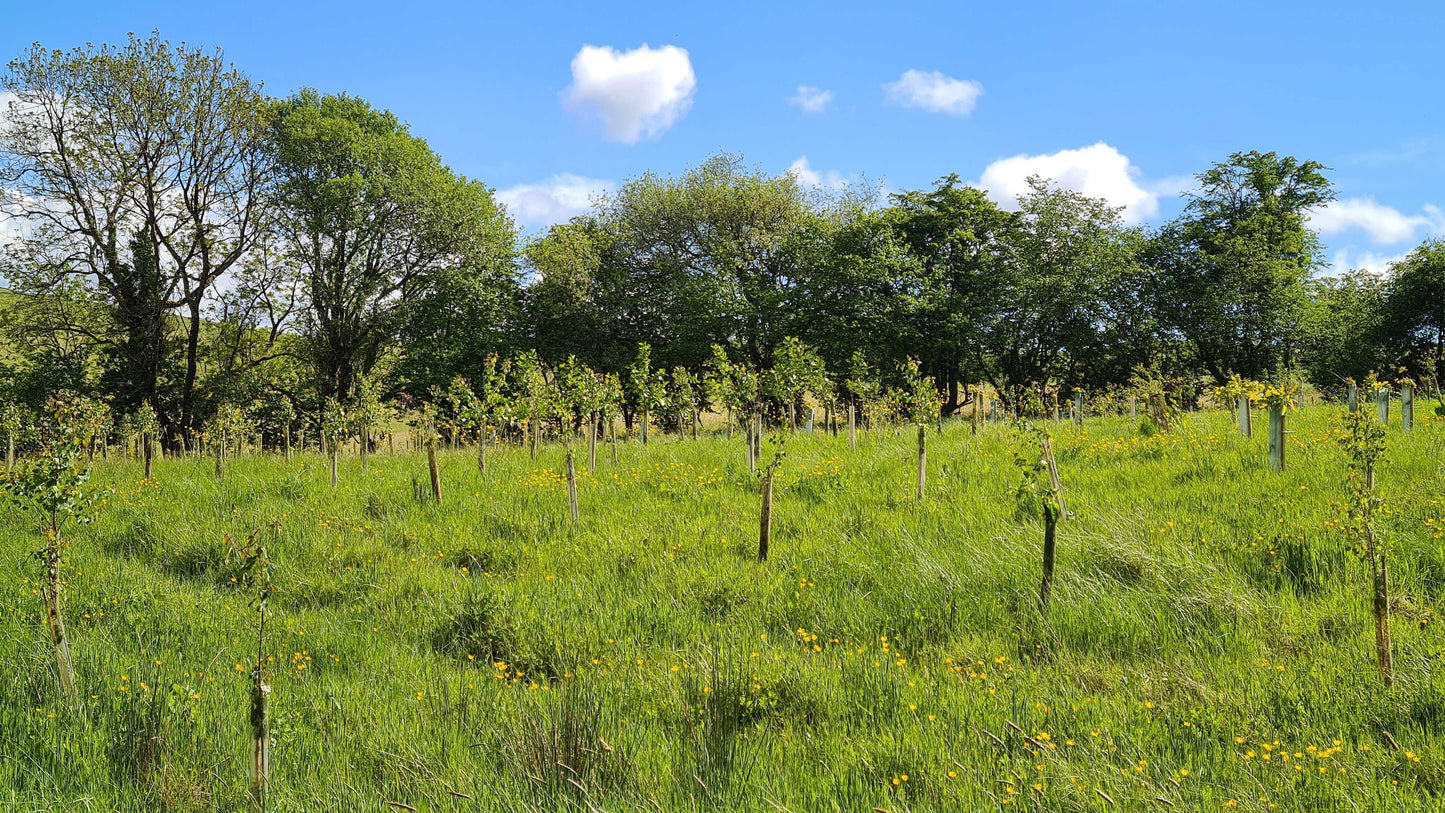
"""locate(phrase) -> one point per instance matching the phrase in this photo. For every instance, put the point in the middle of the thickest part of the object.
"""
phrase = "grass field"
(1209, 645)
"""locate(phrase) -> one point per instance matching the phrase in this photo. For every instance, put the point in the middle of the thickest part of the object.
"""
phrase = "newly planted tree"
(365, 412)
(1279, 399)
(647, 386)
(335, 429)
(229, 425)
(682, 396)
(1364, 444)
(797, 372)
(530, 392)
(490, 402)
(1039, 482)
(765, 514)
(256, 571)
(424, 424)
(147, 428)
(54, 485)
(861, 390)
(918, 402)
(718, 387)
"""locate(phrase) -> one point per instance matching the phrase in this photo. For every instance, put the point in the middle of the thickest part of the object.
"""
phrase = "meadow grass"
(1209, 642)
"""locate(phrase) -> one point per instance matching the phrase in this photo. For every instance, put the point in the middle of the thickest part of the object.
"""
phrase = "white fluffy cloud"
(1099, 171)
(934, 92)
(807, 176)
(1385, 225)
(559, 198)
(811, 99)
(1349, 260)
(634, 94)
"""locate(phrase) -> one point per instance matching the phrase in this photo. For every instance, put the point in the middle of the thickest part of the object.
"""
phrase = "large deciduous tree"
(1062, 293)
(1414, 312)
(141, 168)
(1233, 266)
(381, 231)
(957, 235)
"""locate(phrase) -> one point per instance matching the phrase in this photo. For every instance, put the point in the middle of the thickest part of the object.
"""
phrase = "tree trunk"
(188, 388)
(220, 458)
(146, 452)
(365, 445)
(644, 427)
(482, 450)
(334, 457)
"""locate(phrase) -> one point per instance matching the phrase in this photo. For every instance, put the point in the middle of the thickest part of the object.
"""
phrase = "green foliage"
(1233, 267)
(917, 400)
(53, 484)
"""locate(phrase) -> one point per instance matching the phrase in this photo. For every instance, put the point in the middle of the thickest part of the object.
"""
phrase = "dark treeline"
(189, 242)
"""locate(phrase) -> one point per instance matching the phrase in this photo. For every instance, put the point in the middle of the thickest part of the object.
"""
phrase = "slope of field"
(1209, 645)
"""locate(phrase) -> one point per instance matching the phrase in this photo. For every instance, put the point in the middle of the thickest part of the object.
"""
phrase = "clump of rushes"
(55, 485)
(1364, 444)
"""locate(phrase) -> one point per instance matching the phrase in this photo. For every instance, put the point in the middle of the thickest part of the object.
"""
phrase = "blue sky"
(1121, 99)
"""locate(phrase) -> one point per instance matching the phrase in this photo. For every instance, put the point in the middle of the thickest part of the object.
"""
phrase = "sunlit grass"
(1208, 645)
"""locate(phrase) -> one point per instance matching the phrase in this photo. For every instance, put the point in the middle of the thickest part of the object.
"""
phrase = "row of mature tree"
(189, 241)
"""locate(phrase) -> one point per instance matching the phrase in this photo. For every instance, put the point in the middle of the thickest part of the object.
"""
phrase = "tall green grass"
(1208, 643)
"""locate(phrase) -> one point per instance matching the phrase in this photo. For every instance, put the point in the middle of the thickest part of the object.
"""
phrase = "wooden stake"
(1051, 524)
(765, 518)
(571, 486)
(922, 460)
(50, 593)
(431, 462)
